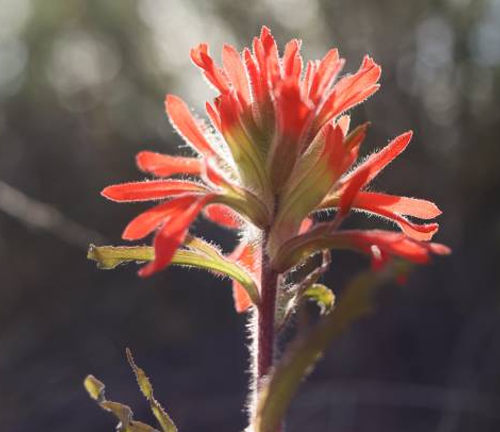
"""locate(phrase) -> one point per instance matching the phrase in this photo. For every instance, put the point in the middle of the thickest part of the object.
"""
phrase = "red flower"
(278, 150)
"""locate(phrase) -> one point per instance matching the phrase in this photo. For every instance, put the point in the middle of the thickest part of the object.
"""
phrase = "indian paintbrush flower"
(278, 150)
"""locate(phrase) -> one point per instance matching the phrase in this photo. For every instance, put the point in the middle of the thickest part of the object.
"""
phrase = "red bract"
(278, 149)
(245, 255)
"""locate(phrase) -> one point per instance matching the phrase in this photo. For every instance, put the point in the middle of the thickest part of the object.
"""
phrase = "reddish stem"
(265, 331)
(265, 321)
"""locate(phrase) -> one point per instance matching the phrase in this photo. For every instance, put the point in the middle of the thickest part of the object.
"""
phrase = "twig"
(43, 216)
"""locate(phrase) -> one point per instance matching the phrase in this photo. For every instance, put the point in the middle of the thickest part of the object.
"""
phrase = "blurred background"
(82, 86)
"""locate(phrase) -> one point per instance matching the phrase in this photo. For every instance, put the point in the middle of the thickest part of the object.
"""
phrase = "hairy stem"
(265, 319)
(263, 330)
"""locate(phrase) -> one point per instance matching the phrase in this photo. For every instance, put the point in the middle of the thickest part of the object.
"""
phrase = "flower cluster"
(278, 150)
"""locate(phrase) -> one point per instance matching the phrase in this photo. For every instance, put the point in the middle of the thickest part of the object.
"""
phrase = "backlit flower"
(278, 148)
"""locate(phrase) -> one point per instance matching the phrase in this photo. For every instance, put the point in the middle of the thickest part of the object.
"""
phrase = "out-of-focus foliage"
(82, 86)
(302, 354)
(322, 295)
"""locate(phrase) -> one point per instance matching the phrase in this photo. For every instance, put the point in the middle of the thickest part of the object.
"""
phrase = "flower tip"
(171, 102)
(228, 48)
(424, 232)
(171, 99)
(440, 249)
(141, 159)
(108, 192)
(264, 32)
(399, 144)
(127, 236)
(197, 52)
(145, 271)
(369, 63)
(433, 211)
(130, 235)
(364, 126)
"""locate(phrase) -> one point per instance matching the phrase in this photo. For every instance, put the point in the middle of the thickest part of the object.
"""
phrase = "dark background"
(82, 85)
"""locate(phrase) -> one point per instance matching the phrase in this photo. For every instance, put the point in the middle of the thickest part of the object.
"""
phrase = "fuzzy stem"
(265, 321)
(264, 328)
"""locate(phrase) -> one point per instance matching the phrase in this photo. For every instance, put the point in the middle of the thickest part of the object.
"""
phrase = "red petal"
(292, 61)
(257, 83)
(230, 115)
(327, 70)
(380, 204)
(186, 125)
(211, 173)
(367, 75)
(244, 255)
(165, 166)
(378, 161)
(439, 249)
(266, 52)
(335, 150)
(149, 220)
(309, 76)
(263, 69)
(423, 232)
(171, 236)
(344, 122)
(223, 215)
(351, 191)
(351, 90)
(291, 111)
(419, 208)
(150, 190)
(236, 72)
(214, 116)
(200, 57)
(391, 243)
(242, 300)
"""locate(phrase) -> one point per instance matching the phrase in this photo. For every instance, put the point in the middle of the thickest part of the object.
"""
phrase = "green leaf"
(199, 245)
(94, 387)
(200, 255)
(123, 413)
(322, 295)
(147, 390)
(110, 257)
(302, 354)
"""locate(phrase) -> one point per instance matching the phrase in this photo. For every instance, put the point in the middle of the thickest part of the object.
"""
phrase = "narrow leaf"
(110, 257)
(200, 255)
(94, 387)
(123, 413)
(147, 390)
